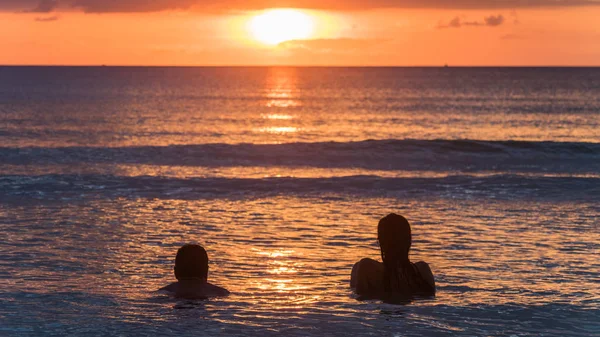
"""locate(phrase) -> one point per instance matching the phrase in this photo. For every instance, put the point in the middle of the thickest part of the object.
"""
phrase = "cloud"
(494, 21)
(454, 23)
(515, 17)
(327, 45)
(44, 6)
(106, 6)
(489, 21)
(512, 37)
(102, 6)
(47, 19)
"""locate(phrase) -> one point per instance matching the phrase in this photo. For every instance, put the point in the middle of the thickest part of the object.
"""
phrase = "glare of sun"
(280, 25)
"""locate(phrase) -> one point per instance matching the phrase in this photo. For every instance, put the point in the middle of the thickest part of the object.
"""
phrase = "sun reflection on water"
(278, 116)
(282, 87)
(282, 103)
(280, 271)
(278, 253)
(282, 96)
(279, 129)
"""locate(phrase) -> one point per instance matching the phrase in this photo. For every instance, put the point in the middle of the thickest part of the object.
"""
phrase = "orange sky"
(177, 33)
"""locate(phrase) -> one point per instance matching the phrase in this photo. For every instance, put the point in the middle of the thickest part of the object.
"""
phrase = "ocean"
(282, 174)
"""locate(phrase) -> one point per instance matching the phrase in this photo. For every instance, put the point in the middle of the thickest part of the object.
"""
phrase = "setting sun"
(280, 25)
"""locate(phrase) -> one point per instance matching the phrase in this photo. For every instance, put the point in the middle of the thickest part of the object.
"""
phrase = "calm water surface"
(283, 173)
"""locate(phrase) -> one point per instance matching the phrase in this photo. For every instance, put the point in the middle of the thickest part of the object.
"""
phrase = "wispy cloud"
(325, 45)
(47, 19)
(494, 21)
(489, 21)
(43, 6)
(106, 6)
(512, 37)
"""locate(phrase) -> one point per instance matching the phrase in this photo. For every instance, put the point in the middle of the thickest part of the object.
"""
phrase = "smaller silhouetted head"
(191, 262)
(394, 236)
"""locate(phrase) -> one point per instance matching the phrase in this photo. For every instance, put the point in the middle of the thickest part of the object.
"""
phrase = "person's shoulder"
(170, 288)
(362, 266)
(366, 276)
(188, 291)
(426, 272)
(368, 262)
(214, 290)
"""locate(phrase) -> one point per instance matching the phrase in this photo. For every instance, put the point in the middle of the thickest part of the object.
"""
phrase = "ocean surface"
(282, 174)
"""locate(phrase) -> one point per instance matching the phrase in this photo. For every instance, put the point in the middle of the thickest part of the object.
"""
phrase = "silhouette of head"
(394, 236)
(191, 262)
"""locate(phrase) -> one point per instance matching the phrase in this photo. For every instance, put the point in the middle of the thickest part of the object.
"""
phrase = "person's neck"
(194, 280)
(403, 261)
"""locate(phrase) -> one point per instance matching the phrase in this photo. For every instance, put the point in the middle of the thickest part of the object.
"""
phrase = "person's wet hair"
(394, 236)
(191, 262)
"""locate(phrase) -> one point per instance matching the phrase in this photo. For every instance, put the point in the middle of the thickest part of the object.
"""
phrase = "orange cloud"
(47, 19)
(112, 6)
(43, 6)
(342, 44)
(490, 21)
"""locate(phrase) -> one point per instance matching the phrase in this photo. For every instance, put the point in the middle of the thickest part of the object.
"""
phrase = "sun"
(280, 25)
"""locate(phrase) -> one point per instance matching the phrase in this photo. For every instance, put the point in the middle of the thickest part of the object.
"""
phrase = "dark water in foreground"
(283, 173)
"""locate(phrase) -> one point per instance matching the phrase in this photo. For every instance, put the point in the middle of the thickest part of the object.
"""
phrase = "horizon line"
(295, 66)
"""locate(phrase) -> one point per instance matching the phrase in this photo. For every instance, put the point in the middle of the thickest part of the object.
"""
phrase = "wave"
(430, 155)
(509, 187)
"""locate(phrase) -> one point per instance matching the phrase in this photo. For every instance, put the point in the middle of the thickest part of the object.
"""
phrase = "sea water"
(282, 174)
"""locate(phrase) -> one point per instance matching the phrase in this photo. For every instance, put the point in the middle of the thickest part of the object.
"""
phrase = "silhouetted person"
(396, 279)
(191, 271)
